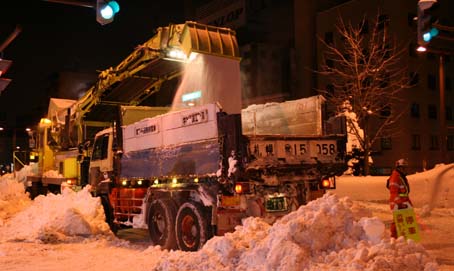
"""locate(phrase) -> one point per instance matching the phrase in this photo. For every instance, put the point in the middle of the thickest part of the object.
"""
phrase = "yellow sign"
(230, 201)
(406, 224)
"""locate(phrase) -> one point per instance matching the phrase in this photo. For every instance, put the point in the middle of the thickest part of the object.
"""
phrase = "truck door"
(101, 164)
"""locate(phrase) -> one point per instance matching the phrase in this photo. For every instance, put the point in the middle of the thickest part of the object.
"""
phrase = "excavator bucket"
(206, 39)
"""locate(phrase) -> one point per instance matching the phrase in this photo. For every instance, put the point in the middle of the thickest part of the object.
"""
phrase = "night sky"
(58, 37)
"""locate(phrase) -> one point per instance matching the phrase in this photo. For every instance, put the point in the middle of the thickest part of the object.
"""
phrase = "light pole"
(443, 128)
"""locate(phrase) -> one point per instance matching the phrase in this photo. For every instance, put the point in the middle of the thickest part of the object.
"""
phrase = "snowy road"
(320, 236)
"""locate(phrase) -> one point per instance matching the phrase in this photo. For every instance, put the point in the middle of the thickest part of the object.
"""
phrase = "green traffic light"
(431, 34)
(109, 10)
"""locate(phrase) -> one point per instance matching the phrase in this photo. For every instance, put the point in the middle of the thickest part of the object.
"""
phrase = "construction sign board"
(406, 224)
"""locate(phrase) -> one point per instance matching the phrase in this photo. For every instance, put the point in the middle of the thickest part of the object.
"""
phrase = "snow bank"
(429, 189)
(323, 235)
(55, 218)
(12, 197)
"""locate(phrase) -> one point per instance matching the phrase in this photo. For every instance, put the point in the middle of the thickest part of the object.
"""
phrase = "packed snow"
(344, 230)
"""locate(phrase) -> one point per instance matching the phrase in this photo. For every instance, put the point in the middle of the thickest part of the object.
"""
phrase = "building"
(420, 128)
(280, 52)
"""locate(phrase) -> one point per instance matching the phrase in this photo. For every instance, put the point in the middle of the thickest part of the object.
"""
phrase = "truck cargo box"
(177, 143)
(301, 117)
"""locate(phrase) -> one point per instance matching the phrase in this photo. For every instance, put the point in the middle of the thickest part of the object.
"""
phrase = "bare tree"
(366, 70)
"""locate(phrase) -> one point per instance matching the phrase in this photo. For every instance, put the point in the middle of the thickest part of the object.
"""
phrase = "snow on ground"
(344, 230)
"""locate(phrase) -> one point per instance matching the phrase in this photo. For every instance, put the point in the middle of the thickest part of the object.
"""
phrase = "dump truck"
(190, 174)
(195, 169)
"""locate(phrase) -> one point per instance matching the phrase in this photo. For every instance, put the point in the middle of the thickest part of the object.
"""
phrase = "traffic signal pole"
(105, 9)
(428, 28)
(73, 3)
(443, 127)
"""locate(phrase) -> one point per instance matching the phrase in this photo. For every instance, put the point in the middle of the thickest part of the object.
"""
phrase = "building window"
(364, 26)
(448, 85)
(412, 49)
(431, 82)
(383, 21)
(415, 142)
(448, 113)
(414, 78)
(415, 110)
(329, 63)
(411, 19)
(434, 142)
(432, 111)
(450, 143)
(329, 38)
(430, 56)
(385, 112)
(384, 81)
(330, 89)
(386, 143)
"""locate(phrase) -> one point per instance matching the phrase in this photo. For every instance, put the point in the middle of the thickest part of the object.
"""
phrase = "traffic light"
(106, 10)
(427, 17)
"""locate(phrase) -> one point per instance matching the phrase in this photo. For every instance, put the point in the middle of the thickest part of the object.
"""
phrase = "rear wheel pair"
(186, 228)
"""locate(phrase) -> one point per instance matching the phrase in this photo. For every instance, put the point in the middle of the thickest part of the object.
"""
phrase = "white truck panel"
(195, 124)
(190, 125)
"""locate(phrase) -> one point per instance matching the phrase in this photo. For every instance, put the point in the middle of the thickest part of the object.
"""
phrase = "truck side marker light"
(325, 183)
(238, 188)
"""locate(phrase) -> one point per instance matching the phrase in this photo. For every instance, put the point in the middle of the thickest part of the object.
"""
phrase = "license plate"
(276, 204)
(230, 201)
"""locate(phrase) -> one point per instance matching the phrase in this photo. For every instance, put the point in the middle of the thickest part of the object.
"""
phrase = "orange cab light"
(326, 183)
(238, 188)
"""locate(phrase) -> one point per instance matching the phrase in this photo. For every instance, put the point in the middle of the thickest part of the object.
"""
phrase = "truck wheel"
(192, 229)
(161, 221)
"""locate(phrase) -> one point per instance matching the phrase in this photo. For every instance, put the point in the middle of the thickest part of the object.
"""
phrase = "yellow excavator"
(154, 66)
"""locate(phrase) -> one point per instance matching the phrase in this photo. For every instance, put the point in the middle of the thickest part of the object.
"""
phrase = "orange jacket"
(398, 189)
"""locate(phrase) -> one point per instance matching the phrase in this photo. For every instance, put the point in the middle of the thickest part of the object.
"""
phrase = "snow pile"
(58, 217)
(12, 197)
(27, 170)
(323, 235)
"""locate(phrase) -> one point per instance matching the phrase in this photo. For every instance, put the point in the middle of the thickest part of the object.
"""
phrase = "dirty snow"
(337, 232)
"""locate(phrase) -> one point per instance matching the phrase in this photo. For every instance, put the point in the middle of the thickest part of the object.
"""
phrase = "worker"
(398, 190)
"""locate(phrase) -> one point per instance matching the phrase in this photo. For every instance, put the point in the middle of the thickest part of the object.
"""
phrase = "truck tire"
(161, 223)
(192, 229)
